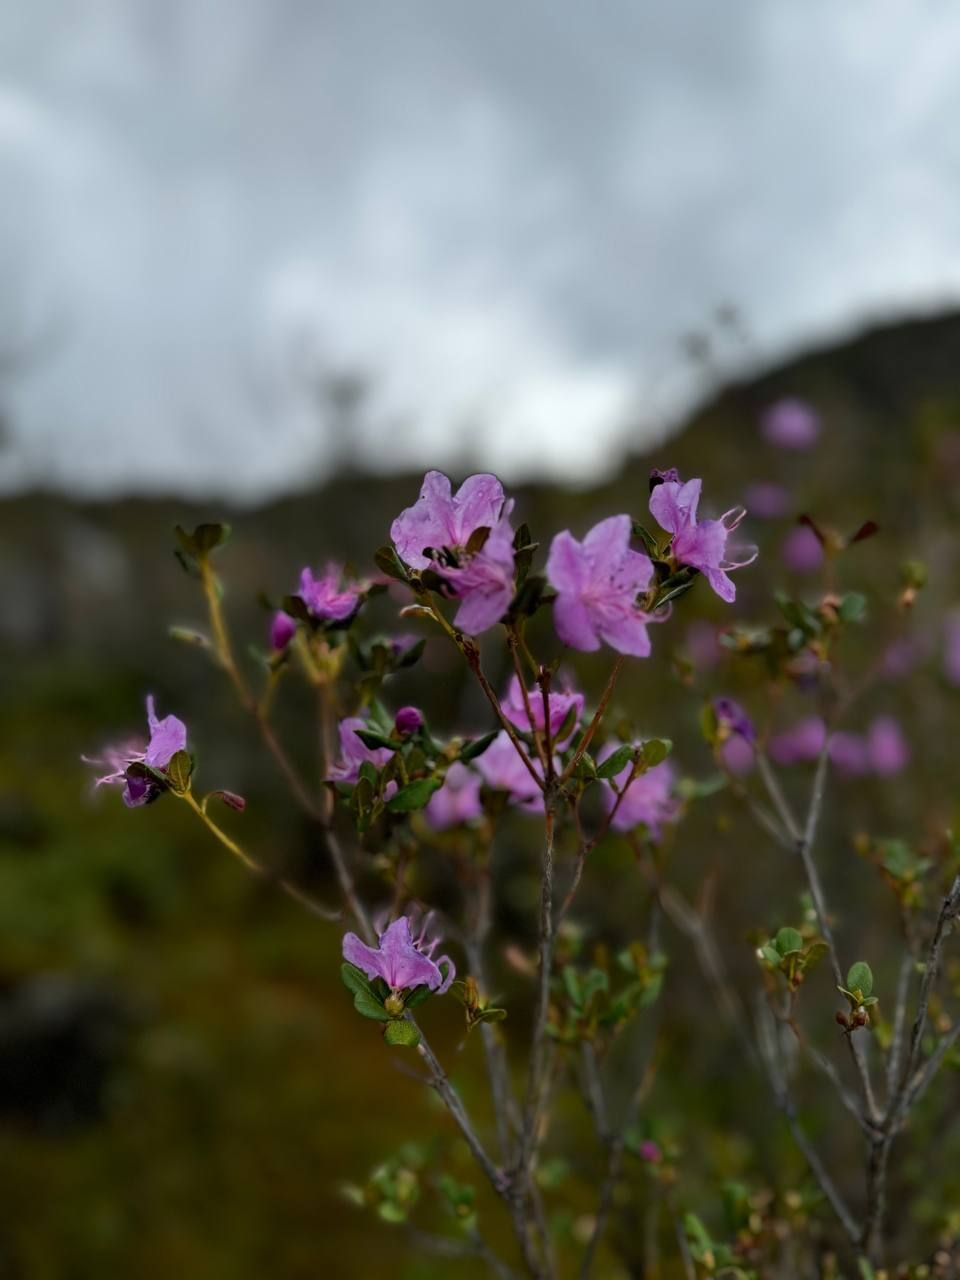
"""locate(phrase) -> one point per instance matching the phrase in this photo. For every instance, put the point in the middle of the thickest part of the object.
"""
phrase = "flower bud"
(842, 1019)
(407, 721)
(282, 630)
(650, 1152)
(393, 1005)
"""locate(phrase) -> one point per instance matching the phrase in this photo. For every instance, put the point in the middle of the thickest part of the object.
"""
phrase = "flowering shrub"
(396, 788)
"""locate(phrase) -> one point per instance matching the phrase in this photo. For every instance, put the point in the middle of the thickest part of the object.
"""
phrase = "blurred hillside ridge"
(231, 1085)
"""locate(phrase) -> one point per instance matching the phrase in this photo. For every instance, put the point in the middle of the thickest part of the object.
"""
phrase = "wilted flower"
(167, 737)
(328, 598)
(561, 703)
(457, 801)
(503, 770)
(354, 752)
(800, 743)
(733, 720)
(701, 544)
(282, 630)
(408, 720)
(791, 424)
(648, 799)
(401, 960)
(597, 583)
(802, 551)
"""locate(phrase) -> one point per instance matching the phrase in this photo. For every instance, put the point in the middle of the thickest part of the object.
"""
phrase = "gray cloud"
(501, 217)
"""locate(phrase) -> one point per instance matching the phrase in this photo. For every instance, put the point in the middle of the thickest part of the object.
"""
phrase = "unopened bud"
(842, 1019)
(407, 721)
(393, 1005)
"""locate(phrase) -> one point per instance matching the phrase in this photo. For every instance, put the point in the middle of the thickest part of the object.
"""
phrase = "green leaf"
(354, 979)
(788, 941)
(647, 538)
(417, 996)
(490, 1015)
(571, 981)
(853, 607)
(179, 771)
(470, 750)
(709, 723)
(655, 751)
(860, 978)
(771, 955)
(414, 795)
(402, 1034)
(616, 762)
(207, 537)
(374, 740)
(388, 562)
(366, 1003)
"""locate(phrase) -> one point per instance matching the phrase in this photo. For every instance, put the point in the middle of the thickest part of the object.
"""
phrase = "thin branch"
(594, 724)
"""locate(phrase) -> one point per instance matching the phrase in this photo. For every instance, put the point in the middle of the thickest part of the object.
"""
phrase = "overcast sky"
(501, 216)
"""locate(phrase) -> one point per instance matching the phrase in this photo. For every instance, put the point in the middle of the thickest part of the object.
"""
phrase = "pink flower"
(951, 648)
(441, 520)
(354, 752)
(649, 799)
(737, 756)
(560, 703)
(326, 598)
(701, 544)
(282, 630)
(503, 770)
(849, 754)
(803, 742)
(443, 531)
(887, 748)
(167, 737)
(457, 801)
(597, 584)
(767, 500)
(484, 580)
(791, 424)
(802, 551)
(401, 960)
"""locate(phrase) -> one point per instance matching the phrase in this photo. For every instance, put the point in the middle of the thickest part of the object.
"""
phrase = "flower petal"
(567, 568)
(574, 623)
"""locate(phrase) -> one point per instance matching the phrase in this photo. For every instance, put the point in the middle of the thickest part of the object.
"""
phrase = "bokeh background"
(266, 262)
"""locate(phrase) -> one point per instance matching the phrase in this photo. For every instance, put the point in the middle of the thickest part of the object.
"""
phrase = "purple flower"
(282, 630)
(401, 960)
(650, 1152)
(327, 598)
(700, 544)
(800, 743)
(791, 424)
(849, 754)
(737, 755)
(802, 551)
(503, 770)
(167, 737)
(560, 703)
(457, 801)
(648, 800)
(767, 500)
(443, 520)
(597, 584)
(407, 720)
(483, 581)
(887, 748)
(354, 752)
(733, 720)
(951, 648)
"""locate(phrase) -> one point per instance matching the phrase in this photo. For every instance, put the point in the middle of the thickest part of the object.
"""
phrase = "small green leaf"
(179, 771)
(414, 796)
(374, 740)
(771, 955)
(655, 751)
(354, 979)
(616, 762)
(490, 1015)
(788, 941)
(207, 537)
(388, 562)
(853, 607)
(417, 996)
(402, 1034)
(470, 750)
(647, 538)
(860, 978)
(366, 1003)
